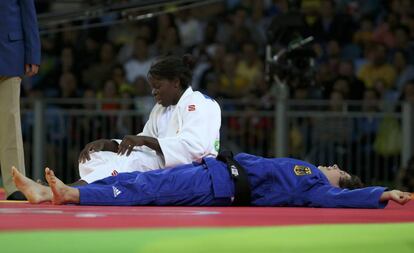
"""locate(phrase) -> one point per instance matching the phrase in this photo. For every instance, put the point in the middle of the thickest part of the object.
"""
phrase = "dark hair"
(350, 183)
(171, 67)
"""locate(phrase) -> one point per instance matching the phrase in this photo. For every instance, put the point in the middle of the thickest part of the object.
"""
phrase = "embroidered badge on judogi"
(191, 108)
(301, 170)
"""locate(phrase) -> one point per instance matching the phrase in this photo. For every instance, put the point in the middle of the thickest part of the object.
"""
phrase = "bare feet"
(34, 192)
(62, 193)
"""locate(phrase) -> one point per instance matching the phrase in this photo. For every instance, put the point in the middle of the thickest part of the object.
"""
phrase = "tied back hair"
(172, 67)
(351, 183)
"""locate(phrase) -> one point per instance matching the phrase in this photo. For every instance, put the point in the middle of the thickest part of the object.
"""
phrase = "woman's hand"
(396, 196)
(95, 146)
(130, 141)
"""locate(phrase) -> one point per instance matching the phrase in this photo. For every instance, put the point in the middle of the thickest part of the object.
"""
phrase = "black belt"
(239, 176)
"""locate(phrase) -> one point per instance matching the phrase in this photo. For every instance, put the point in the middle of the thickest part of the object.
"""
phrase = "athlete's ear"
(176, 83)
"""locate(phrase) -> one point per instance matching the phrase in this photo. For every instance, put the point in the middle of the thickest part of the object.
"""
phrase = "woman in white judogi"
(183, 126)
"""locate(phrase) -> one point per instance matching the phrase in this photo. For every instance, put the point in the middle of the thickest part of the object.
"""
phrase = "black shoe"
(17, 195)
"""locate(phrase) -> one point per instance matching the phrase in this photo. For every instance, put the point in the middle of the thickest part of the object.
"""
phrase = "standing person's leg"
(11, 142)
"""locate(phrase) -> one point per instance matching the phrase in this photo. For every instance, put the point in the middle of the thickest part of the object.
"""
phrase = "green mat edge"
(332, 238)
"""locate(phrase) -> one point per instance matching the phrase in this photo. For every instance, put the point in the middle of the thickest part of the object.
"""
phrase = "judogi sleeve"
(150, 128)
(200, 128)
(329, 196)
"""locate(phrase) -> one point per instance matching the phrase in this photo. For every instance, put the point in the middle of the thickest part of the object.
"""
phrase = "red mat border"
(24, 216)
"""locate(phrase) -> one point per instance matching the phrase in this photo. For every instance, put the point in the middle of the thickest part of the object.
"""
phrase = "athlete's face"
(334, 174)
(166, 92)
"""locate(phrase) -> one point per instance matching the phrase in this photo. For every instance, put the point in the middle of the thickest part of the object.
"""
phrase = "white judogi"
(186, 132)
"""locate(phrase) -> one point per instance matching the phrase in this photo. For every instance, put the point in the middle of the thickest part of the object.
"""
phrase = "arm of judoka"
(150, 128)
(396, 196)
(330, 196)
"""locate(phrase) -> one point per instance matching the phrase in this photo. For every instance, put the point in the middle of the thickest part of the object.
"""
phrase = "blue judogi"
(273, 182)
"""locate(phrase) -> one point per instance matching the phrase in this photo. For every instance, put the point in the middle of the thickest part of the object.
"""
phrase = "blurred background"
(327, 81)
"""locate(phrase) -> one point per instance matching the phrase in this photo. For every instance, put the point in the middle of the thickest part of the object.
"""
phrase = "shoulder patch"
(191, 108)
(301, 170)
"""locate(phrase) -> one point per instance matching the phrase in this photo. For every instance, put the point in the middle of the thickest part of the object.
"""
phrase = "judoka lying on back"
(272, 182)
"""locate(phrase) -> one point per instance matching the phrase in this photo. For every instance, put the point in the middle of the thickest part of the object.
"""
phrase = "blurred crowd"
(364, 50)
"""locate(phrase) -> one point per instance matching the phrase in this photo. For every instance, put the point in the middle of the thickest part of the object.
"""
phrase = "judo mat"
(70, 228)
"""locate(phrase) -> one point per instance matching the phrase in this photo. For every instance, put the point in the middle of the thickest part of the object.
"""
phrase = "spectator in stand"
(331, 24)
(364, 35)
(386, 95)
(258, 24)
(383, 33)
(324, 79)
(343, 86)
(140, 63)
(405, 71)
(189, 29)
(67, 60)
(123, 36)
(118, 76)
(127, 49)
(333, 55)
(204, 52)
(409, 22)
(90, 52)
(169, 43)
(209, 78)
(109, 91)
(400, 7)
(163, 23)
(69, 37)
(377, 67)
(238, 32)
(231, 84)
(68, 87)
(402, 43)
(346, 70)
(96, 74)
(250, 66)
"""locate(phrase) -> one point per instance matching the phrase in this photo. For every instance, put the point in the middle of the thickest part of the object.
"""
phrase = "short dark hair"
(171, 67)
(352, 182)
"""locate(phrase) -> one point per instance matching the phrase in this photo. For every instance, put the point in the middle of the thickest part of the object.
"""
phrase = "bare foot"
(62, 193)
(34, 192)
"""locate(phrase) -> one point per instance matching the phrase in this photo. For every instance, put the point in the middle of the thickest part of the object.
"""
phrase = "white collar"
(186, 93)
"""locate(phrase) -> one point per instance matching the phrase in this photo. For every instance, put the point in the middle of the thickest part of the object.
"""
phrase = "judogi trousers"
(11, 141)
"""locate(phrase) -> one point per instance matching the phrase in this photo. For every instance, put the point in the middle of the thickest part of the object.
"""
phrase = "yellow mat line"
(14, 201)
